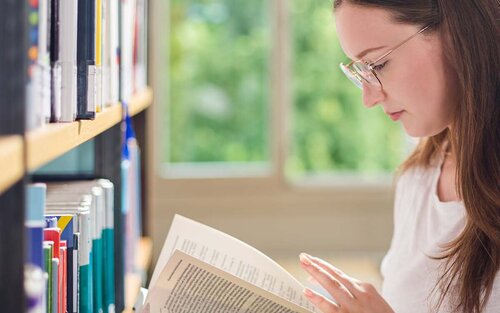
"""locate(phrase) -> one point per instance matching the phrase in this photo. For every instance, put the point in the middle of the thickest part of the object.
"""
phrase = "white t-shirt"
(422, 223)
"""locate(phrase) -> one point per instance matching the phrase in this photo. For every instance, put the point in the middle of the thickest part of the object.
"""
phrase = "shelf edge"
(11, 161)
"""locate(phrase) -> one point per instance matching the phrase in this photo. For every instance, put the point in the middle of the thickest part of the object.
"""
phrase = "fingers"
(322, 303)
(338, 291)
(343, 278)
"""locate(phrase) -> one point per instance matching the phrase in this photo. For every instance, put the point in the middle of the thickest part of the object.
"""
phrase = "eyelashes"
(379, 67)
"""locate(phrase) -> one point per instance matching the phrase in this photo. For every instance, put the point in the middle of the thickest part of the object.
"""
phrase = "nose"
(372, 95)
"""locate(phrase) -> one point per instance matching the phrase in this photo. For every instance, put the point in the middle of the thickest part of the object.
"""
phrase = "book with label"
(209, 271)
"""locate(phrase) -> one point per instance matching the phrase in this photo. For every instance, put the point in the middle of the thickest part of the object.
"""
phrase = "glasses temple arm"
(402, 43)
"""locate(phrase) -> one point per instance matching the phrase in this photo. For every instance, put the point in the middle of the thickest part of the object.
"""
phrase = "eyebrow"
(365, 52)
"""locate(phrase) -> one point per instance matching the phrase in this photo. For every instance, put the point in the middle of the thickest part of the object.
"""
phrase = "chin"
(417, 131)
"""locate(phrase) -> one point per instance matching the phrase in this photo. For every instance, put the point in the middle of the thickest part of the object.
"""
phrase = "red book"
(54, 235)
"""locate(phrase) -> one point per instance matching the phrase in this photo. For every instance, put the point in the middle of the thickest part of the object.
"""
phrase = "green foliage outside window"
(332, 130)
(220, 91)
(218, 81)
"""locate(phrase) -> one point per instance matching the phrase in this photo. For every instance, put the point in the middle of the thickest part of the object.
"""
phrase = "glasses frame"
(370, 65)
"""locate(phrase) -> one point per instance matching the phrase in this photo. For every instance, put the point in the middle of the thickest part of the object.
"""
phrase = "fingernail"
(304, 258)
(308, 293)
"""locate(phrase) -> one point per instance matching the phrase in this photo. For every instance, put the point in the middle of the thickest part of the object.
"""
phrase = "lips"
(395, 115)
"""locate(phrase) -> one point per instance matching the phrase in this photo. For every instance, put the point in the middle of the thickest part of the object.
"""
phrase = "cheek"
(425, 93)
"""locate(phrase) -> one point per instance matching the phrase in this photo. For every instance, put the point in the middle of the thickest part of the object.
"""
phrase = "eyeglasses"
(361, 71)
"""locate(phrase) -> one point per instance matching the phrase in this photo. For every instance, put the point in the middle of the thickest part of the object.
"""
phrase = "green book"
(47, 257)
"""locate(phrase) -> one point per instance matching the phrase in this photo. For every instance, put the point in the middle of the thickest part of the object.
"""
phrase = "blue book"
(34, 223)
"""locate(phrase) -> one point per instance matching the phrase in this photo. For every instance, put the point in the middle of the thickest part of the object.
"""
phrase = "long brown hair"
(472, 32)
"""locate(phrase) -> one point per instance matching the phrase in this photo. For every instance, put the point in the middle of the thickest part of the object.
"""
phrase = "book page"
(188, 285)
(230, 255)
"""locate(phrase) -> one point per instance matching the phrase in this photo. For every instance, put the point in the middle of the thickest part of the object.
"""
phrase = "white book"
(222, 264)
(114, 36)
(140, 78)
(44, 61)
(67, 44)
(98, 54)
(127, 48)
(105, 53)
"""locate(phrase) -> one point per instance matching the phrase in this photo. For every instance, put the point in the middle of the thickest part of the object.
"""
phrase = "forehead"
(360, 28)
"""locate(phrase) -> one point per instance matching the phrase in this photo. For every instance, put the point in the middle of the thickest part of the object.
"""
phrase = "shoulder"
(416, 176)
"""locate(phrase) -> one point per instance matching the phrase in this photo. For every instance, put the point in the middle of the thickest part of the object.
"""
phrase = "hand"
(351, 295)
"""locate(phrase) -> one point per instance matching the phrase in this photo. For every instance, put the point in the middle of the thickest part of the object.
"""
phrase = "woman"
(433, 65)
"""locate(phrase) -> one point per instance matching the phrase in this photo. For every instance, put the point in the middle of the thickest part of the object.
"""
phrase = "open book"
(203, 270)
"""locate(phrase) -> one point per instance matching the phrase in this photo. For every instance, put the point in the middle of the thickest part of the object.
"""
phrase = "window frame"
(179, 182)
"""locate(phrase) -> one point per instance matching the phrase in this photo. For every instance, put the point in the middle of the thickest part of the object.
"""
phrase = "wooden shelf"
(141, 101)
(11, 161)
(53, 140)
(134, 281)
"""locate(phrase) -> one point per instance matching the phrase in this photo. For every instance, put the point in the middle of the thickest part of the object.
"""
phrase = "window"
(254, 121)
(220, 99)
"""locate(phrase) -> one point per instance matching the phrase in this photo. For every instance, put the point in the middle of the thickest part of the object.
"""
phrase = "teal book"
(85, 264)
(108, 239)
(97, 212)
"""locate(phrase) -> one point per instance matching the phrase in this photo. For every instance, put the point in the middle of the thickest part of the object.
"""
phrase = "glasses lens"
(364, 71)
(353, 77)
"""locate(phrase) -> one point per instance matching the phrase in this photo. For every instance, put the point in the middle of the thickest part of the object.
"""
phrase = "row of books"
(83, 55)
(70, 255)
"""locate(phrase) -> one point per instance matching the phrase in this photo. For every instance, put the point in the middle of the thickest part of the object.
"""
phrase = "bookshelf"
(53, 140)
(11, 160)
(23, 152)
